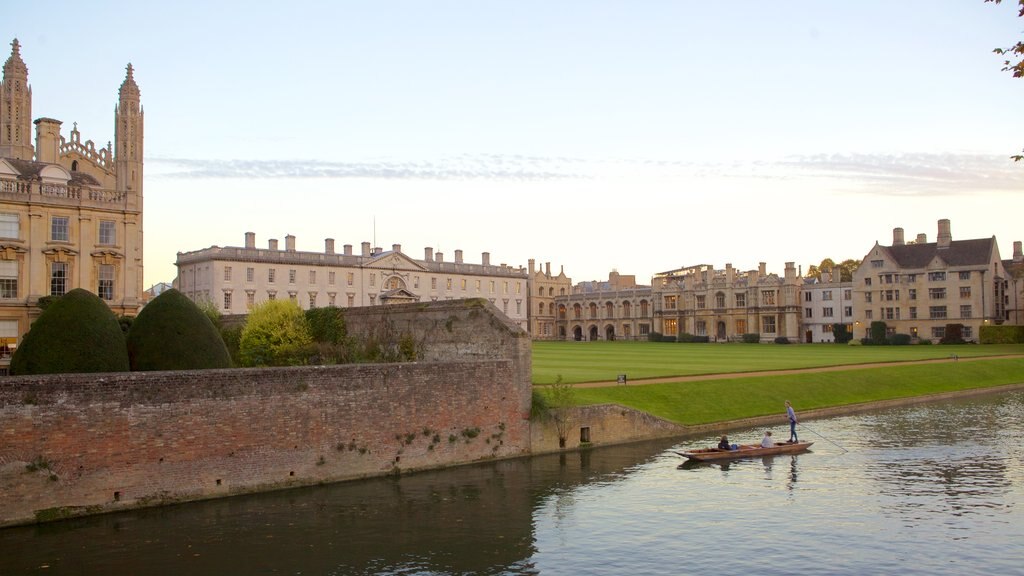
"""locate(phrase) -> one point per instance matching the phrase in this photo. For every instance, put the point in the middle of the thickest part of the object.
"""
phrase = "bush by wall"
(75, 333)
(900, 339)
(782, 340)
(954, 334)
(841, 334)
(172, 333)
(1001, 334)
(751, 338)
(692, 338)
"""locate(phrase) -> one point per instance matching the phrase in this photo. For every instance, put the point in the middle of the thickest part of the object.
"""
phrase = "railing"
(62, 191)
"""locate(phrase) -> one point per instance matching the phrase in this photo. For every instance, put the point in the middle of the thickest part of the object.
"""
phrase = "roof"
(959, 253)
(31, 170)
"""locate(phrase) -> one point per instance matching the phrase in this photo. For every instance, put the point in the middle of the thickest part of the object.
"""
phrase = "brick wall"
(86, 443)
(603, 424)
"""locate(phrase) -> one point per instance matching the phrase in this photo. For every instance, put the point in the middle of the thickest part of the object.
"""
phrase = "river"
(924, 489)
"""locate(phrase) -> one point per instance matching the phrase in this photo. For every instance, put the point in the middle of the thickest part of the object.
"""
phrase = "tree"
(1014, 55)
(75, 333)
(172, 333)
(844, 269)
(561, 400)
(276, 334)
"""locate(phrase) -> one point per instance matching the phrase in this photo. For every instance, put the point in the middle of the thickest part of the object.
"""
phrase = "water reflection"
(909, 495)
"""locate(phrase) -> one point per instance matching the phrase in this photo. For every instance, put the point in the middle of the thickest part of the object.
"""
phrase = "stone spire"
(16, 108)
(129, 89)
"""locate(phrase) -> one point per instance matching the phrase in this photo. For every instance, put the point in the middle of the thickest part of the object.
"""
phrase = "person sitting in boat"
(767, 441)
(723, 444)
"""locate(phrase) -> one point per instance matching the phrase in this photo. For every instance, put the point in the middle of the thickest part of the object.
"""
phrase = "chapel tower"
(15, 108)
(128, 136)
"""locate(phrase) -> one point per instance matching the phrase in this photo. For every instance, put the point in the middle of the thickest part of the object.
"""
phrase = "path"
(699, 377)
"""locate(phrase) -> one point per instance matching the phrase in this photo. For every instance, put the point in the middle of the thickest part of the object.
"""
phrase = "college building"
(70, 212)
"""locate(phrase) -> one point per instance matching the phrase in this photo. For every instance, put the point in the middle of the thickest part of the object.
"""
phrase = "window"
(270, 275)
(890, 313)
(349, 278)
(8, 278)
(271, 295)
(869, 314)
(108, 234)
(505, 287)
(462, 284)
(937, 312)
(867, 297)
(448, 284)
(291, 276)
(312, 300)
(965, 311)
(912, 293)
(807, 296)
(227, 301)
(492, 286)
(741, 301)
(58, 278)
(9, 226)
(670, 302)
(826, 294)
(826, 312)
(479, 283)
(250, 274)
(936, 276)
(808, 313)
(741, 326)
(312, 276)
(702, 328)
(433, 284)
(965, 275)
(913, 312)
(105, 290)
(671, 327)
(719, 300)
(938, 332)
(227, 273)
(911, 278)
(59, 229)
(965, 291)
(768, 299)
(847, 294)
(937, 293)
(768, 324)
(848, 311)
(867, 281)
(967, 332)
(701, 301)
(877, 263)
(250, 299)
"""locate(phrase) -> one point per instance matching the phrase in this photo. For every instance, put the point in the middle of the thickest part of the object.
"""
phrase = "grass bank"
(603, 361)
(719, 400)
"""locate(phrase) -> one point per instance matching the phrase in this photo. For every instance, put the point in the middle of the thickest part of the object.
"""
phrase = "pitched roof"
(30, 170)
(959, 253)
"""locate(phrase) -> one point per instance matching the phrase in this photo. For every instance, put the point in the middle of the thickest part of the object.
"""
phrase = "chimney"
(438, 257)
(458, 256)
(428, 254)
(250, 239)
(366, 248)
(897, 237)
(348, 249)
(730, 274)
(47, 140)
(1018, 255)
(790, 271)
(547, 269)
(289, 243)
(396, 247)
(328, 245)
(945, 237)
(272, 244)
(531, 263)
(922, 239)
(761, 269)
(485, 258)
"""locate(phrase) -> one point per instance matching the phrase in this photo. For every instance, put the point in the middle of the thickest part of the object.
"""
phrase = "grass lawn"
(733, 398)
(603, 361)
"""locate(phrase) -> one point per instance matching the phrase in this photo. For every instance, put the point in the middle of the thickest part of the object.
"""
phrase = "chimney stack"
(47, 140)
(366, 248)
(485, 258)
(945, 237)
(250, 239)
(458, 256)
(348, 249)
(328, 245)
(531, 263)
(547, 269)
(396, 247)
(897, 237)
(1018, 254)
(438, 257)
(289, 243)
(428, 254)
(922, 239)
(272, 244)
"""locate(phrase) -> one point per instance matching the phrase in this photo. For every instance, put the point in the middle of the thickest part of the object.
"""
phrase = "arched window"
(609, 310)
(643, 308)
(593, 311)
(577, 311)
(74, 166)
(627, 309)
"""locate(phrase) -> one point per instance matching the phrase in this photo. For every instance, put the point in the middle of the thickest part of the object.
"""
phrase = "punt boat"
(745, 451)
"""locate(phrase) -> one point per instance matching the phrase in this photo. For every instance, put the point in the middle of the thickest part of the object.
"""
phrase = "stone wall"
(88, 443)
(600, 425)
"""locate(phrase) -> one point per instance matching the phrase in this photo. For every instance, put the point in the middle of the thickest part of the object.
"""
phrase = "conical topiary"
(172, 333)
(76, 333)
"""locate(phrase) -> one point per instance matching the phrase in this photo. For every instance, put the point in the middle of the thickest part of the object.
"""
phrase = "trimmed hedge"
(76, 333)
(172, 333)
(1001, 334)
(751, 338)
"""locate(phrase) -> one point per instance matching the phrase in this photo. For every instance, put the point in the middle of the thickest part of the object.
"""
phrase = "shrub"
(954, 334)
(276, 334)
(782, 340)
(878, 333)
(691, 338)
(751, 338)
(232, 336)
(899, 339)
(172, 333)
(1001, 334)
(841, 334)
(75, 333)
(924, 341)
(854, 343)
(654, 336)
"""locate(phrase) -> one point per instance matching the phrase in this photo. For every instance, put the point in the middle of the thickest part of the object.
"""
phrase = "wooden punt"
(745, 451)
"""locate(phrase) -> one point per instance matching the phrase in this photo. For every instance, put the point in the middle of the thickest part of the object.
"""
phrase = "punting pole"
(802, 426)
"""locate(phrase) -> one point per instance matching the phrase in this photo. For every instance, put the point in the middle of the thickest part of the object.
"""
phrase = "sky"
(637, 136)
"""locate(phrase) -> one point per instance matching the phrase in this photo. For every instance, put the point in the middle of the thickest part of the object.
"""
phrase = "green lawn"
(734, 398)
(603, 361)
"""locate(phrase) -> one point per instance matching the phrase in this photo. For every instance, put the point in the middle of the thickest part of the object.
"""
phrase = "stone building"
(70, 213)
(726, 304)
(544, 289)
(826, 301)
(919, 287)
(1013, 286)
(235, 279)
(618, 309)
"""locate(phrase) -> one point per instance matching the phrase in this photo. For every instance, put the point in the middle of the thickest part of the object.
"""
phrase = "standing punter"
(792, 422)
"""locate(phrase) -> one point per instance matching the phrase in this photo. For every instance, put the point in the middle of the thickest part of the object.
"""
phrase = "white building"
(825, 302)
(237, 278)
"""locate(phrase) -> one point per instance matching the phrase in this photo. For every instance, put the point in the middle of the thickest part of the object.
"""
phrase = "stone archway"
(593, 333)
(609, 332)
(720, 331)
(577, 333)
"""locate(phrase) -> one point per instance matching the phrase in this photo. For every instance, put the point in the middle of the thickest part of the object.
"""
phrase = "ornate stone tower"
(15, 108)
(128, 137)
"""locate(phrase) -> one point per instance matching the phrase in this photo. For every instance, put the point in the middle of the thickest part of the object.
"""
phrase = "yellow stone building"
(544, 289)
(70, 212)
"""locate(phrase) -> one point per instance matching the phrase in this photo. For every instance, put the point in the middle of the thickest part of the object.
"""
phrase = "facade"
(544, 289)
(618, 309)
(726, 304)
(825, 302)
(918, 288)
(235, 279)
(70, 213)
(1013, 286)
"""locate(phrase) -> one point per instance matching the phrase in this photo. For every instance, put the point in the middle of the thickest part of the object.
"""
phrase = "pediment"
(7, 170)
(55, 173)
(399, 295)
(394, 261)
